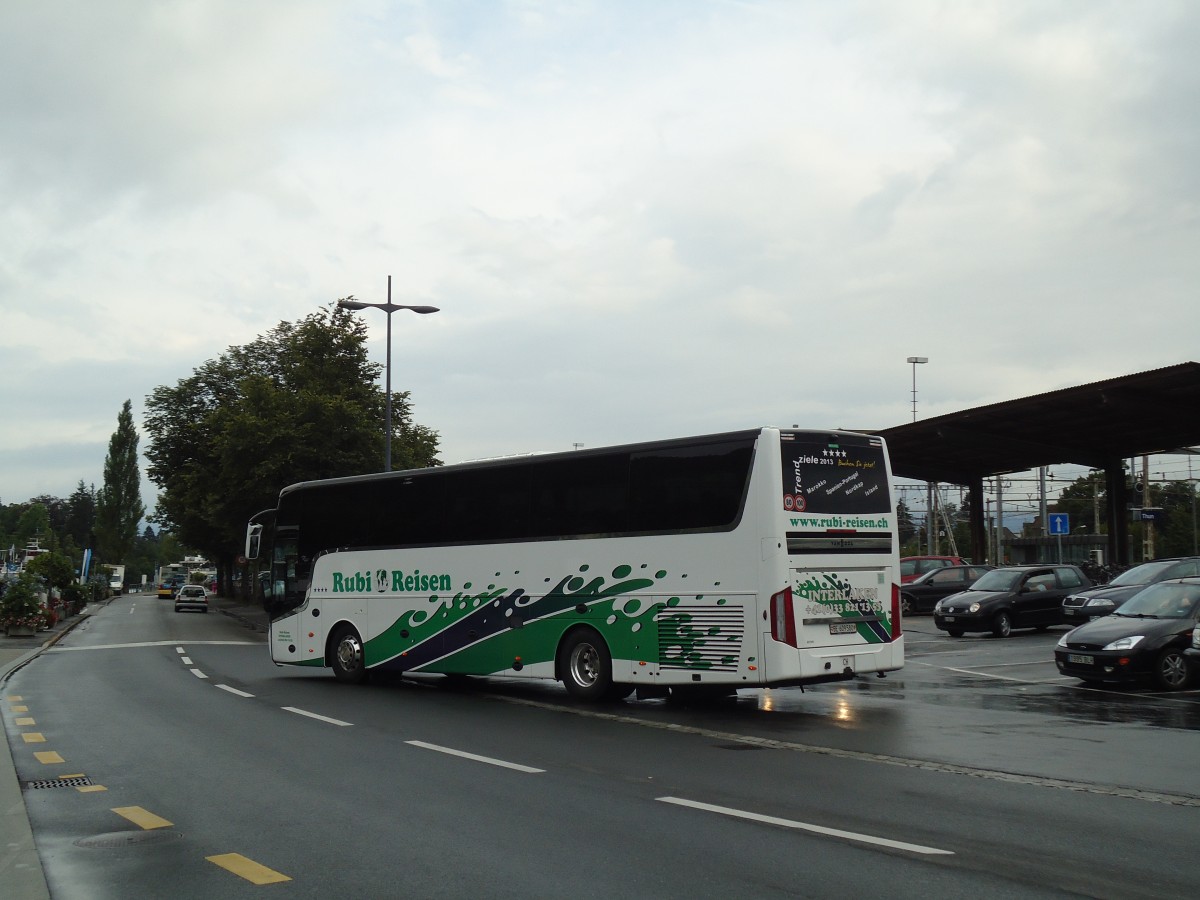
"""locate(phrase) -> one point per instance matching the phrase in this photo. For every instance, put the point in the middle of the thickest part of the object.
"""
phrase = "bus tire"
(346, 656)
(586, 666)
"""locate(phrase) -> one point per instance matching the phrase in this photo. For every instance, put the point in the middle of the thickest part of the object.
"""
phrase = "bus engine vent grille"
(706, 638)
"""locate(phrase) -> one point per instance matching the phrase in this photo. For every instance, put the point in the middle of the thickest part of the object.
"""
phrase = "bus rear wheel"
(586, 666)
(347, 659)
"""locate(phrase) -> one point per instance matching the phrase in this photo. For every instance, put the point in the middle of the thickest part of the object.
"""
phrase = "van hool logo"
(382, 581)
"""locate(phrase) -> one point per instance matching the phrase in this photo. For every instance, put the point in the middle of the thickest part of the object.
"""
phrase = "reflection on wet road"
(993, 704)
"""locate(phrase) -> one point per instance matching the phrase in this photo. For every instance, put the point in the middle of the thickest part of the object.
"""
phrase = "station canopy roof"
(1093, 425)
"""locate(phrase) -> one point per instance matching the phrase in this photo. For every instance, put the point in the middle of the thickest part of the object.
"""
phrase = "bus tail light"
(783, 617)
(897, 627)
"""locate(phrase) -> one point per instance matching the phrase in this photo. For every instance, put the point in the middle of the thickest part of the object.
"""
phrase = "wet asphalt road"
(1017, 781)
(996, 705)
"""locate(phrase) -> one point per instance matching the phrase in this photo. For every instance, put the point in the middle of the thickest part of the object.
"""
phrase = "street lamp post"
(929, 524)
(388, 308)
(915, 361)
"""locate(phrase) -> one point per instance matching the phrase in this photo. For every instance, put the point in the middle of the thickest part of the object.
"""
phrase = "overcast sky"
(639, 219)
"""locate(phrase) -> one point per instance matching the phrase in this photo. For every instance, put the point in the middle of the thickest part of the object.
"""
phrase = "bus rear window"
(833, 473)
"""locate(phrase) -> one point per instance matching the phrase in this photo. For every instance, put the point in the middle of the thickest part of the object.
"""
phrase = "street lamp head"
(918, 359)
(388, 308)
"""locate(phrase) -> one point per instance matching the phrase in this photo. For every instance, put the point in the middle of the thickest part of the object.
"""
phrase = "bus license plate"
(843, 628)
(1081, 660)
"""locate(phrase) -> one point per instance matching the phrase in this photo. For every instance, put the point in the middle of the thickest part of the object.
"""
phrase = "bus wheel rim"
(349, 653)
(585, 665)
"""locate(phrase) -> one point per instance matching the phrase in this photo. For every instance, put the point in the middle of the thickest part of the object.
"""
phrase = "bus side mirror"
(253, 541)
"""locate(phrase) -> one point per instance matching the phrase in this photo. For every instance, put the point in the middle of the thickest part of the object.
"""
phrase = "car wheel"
(586, 666)
(954, 632)
(1171, 670)
(907, 607)
(347, 659)
(1002, 624)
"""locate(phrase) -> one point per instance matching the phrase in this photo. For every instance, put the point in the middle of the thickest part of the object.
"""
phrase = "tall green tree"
(1085, 500)
(56, 513)
(1176, 536)
(298, 403)
(81, 516)
(906, 528)
(119, 507)
(34, 524)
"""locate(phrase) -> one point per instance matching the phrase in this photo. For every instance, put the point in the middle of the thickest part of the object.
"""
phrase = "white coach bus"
(739, 560)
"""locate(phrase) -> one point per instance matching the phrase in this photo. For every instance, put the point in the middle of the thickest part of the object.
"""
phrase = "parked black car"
(1008, 598)
(1080, 606)
(1193, 652)
(921, 595)
(1147, 636)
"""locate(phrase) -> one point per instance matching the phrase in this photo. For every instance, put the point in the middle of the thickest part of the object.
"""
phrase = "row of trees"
(1175, 536)
(104, 520)
(298, 403)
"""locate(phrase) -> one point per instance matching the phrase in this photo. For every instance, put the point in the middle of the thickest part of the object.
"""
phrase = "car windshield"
(997, 580)
(1166, 600)
(1143, 574)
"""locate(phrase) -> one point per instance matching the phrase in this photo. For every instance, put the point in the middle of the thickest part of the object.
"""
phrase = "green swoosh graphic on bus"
(486, 618)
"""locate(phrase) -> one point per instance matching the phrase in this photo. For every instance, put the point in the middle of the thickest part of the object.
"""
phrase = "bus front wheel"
(586, 666)
(347, 660)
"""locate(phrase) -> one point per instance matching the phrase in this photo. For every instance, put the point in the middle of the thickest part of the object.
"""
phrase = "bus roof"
(547, 457)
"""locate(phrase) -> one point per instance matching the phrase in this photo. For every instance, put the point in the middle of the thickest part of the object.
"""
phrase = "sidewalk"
(251, 616)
